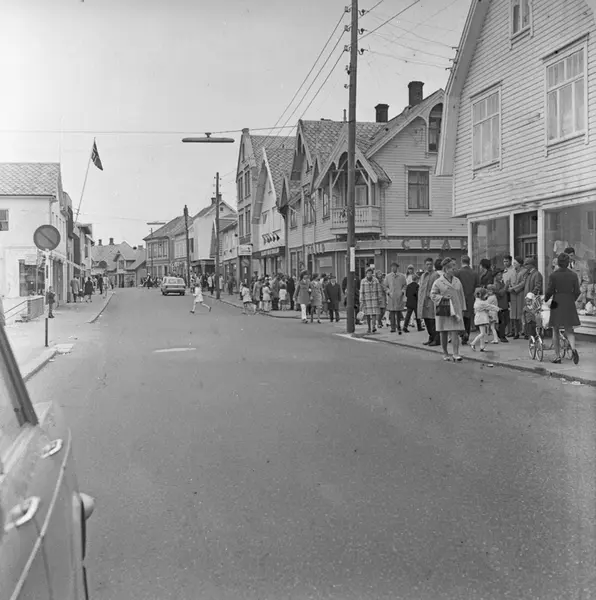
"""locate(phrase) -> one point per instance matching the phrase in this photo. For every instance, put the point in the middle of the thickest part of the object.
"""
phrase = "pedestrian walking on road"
(333, 292)
(564, 289)
(302, 294)
(198, 299)
(383, 299)
(88, 290)
(470, 281)
(395, 284)
(74, 288)
(370, 299)
(211, 283)
(447, 294)
(283, 295)
(247, 299)
(316, 298)
(100, 285)
(266, 290)
(291, 283)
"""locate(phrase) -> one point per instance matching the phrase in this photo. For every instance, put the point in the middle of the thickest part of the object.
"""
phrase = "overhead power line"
(394, 41)
(403, 10)
(130, 132)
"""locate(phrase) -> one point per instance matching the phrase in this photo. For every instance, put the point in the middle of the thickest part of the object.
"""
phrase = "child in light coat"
(482, 314)
(198, 298)
(266, 291)
(494, 317)
(247, 300)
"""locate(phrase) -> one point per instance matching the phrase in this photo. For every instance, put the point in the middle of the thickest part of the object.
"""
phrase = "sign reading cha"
(245, 250)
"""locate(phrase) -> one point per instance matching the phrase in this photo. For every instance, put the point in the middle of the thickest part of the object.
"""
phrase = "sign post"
(46, 238)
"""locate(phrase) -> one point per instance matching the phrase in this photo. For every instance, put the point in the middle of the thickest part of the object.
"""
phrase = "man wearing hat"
(333, 295)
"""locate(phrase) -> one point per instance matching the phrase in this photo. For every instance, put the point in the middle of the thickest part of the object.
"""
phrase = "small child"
(482, 313)
(198, 298)
(531, 318)
(247, 300)
(494, 317)
(266, 292)
(283, 296)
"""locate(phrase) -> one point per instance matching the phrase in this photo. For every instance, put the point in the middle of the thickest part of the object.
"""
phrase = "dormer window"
(434, 128)
(520, 16)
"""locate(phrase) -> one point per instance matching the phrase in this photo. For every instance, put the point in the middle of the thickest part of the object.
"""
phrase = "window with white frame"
(361, 195)
(240, 191)
(566, 99)
(241, 224)
(247, 184)
(247, 227)
(293, 217)
(520, 16)
(418, 190)
(325, 205)
(486, 129)
(4, 219)
(264, 216)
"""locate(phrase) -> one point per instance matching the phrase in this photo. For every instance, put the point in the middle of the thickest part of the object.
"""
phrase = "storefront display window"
(29, 284)
(490, 239)
(574, 227)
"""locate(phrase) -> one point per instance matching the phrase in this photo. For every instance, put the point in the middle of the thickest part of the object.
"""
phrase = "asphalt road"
(266, 459)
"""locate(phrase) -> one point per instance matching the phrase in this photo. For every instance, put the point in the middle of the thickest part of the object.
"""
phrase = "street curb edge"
(264, 314)
(109, 299)
(536, 370)
(40, 364)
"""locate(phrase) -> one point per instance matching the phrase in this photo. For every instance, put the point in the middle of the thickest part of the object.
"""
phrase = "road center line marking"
(173, 350)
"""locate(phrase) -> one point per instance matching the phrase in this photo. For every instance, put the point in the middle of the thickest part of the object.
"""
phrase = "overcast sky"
(139, 74)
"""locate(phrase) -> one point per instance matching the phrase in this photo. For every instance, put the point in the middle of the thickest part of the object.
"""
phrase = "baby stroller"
(536, 343)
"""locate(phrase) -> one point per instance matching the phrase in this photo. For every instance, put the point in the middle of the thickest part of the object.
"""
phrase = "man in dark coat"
(291, 285)
(333, 294)
(469, 281)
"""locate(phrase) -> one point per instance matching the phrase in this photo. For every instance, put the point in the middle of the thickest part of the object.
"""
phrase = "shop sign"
(30, 259)
(316, 248)
(272, 251)
(245, 250)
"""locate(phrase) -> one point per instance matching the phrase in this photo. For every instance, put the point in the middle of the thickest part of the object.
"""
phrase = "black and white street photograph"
(298, 300)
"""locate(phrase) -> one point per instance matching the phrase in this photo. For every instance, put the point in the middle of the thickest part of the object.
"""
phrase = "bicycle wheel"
(566, 350)
(532, 347)
(539, 349)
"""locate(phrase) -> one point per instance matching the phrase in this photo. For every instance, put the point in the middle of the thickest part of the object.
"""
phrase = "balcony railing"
(366, 217)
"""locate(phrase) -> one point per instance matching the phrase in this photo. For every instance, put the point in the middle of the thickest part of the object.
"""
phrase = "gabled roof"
(209, 208)
(455, 84)
(168, 230)
(108, 253)
(30, 179)
(320, 137)
(125, 250)
(227, 224)
(140, 259)
(390, 129)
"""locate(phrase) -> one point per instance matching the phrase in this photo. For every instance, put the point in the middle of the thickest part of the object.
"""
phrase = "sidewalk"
(28, 339)
(513, 355)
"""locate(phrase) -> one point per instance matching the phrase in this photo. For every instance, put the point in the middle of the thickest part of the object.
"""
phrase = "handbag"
(444, 308)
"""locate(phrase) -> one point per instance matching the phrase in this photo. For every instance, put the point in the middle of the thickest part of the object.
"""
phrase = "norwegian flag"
(95, 157)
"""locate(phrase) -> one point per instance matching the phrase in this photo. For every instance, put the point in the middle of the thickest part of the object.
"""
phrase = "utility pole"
(217, 201)
(151, 253)
(351, 223)
(187, 246)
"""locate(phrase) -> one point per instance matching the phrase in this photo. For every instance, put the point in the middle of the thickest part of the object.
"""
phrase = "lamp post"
(213, 140)
(153, 224)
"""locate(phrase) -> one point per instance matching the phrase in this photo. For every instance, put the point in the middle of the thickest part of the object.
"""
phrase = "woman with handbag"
(564, 289)
(447, 294)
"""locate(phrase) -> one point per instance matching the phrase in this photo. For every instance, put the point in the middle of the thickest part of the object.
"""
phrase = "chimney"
(111, 241)
(99, 243)
(415, 95)
(382, 111)
(140, 247)
(245, 130)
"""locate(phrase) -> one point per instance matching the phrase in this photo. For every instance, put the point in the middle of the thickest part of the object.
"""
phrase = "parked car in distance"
(173, 285)
(42, 512)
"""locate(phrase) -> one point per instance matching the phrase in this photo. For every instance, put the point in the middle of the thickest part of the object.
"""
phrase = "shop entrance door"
(526, 234)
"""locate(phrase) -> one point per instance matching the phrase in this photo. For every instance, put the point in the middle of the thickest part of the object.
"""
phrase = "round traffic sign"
(46, 237)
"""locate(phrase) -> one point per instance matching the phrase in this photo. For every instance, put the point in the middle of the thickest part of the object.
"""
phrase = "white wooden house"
(519, 131)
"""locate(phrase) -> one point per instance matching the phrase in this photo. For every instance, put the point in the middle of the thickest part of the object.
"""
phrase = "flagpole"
(84, 183)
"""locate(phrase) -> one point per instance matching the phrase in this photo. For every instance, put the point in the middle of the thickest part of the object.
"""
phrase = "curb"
(297, 316)
(109, 298)
(536, 370)
(40, 363)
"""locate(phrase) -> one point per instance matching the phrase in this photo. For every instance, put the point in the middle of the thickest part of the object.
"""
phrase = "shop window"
(490, 239)
(486, 129)
(31, 279)
(576, 230)
(566, 97)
